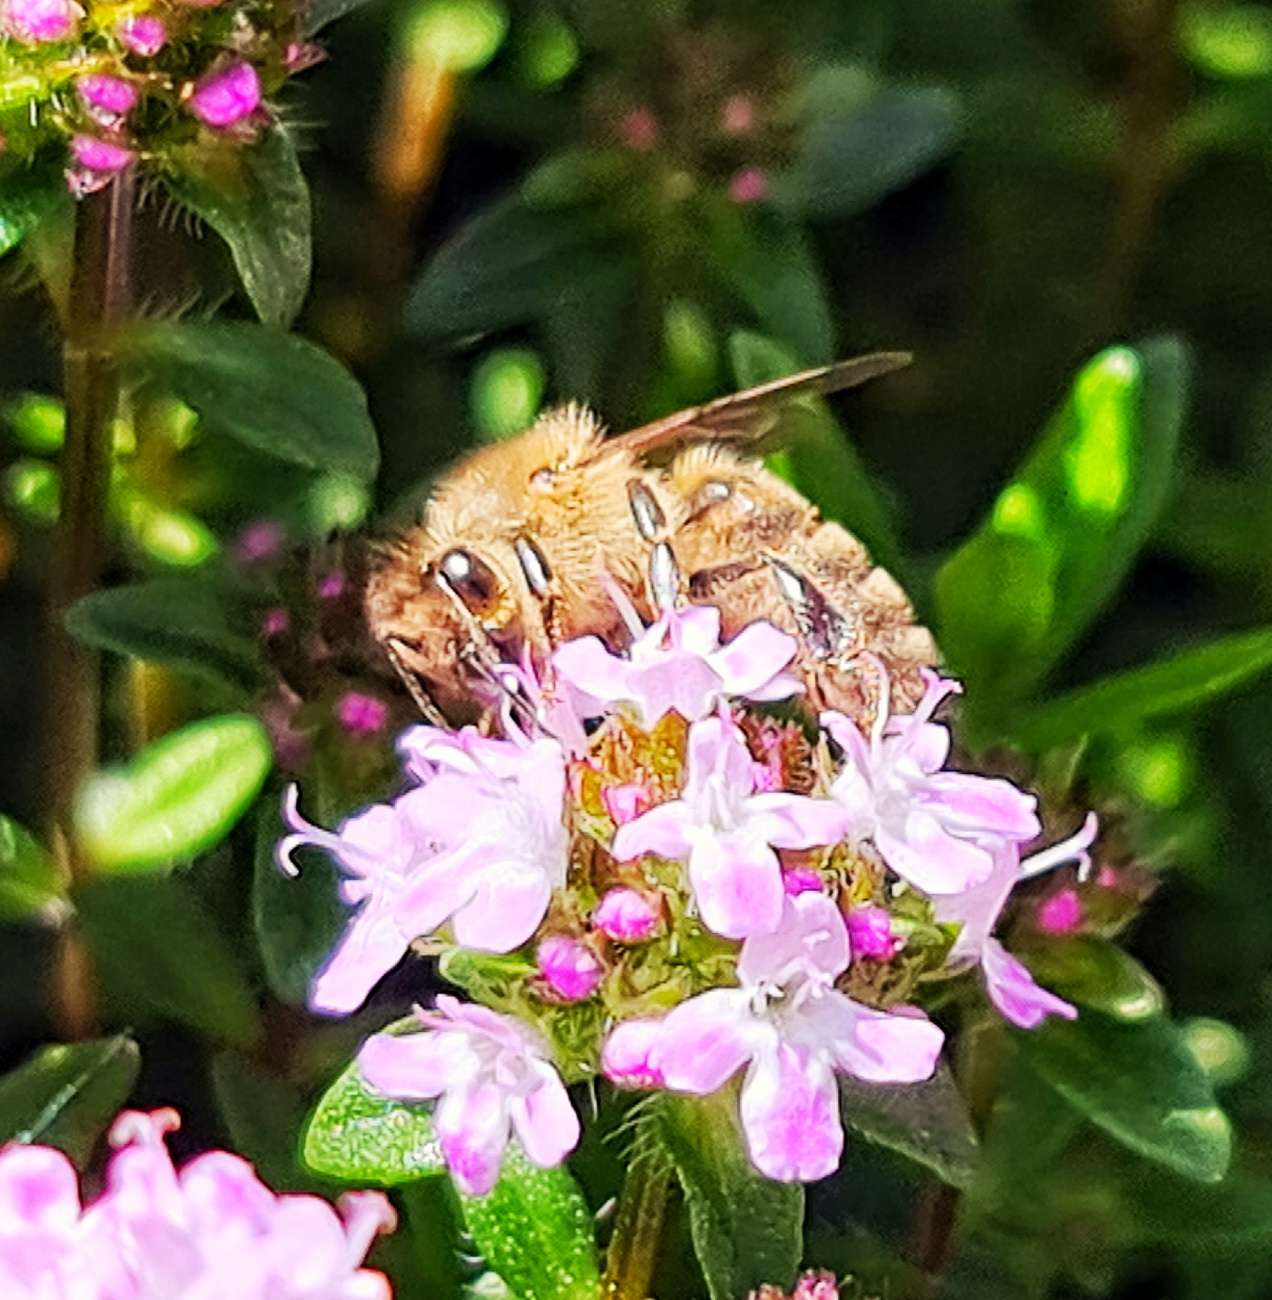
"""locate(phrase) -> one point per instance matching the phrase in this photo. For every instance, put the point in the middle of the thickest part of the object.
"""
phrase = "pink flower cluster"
(494, 848)
(211, 1231)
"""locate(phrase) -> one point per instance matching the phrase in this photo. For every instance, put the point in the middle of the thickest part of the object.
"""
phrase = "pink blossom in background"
(1010, 986)
(728, 834)
(142, 34)
(749, 185)
(331, 586)
(936, 829)
(212, 1230)
(274, 622)
(626, 916)
(638, 130)
(491, 1076)
(259, 541)
(361, 714)
(870, 933)
(792, 1030)
(35, 22)
(738, 116)
(223, 99)
(678, 663)
(1061, 913)
(569, 968)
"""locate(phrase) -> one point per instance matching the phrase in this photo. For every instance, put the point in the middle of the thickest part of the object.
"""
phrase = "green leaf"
(263, 387)
(815, 455)
(747, 1230)
(359, 1136)
(321, 12)
(256, 199)
(177, 798)
(1063, 534)
(765, 259)
(1124, 702)
(265, 1116)
(28, 875)
(188, 623)
(66, 1095)
(1140, 1083)
(160, 952)
(926, 1122)
(297, 918)
(27, 195)
(849, 160)
(535, 1230)
(1095, 973)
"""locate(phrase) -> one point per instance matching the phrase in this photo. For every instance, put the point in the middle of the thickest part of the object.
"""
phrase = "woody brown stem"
(99, 298)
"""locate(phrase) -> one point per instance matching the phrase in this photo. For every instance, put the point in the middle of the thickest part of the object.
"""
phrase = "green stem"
(99, 297)
(638, 1225)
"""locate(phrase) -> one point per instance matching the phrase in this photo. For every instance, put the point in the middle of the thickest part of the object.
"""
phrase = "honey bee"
(548, 536)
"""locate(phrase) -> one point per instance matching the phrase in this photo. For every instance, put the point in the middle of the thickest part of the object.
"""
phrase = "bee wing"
(752, 413)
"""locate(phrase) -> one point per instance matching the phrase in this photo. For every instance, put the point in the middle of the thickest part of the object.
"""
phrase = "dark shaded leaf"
(747, 1230)
(816, 457)
(1063, 534)
(27, 195)
(66, 1095)
(265, 388)
(926, 1122)
(159, 952)
(187, 623)
(265, 1116)
(177, 798)
(1138, 1082)
(256, 199)
(28, 875)
(535, 1230)
(1179, 684)
(359, 1136)
(1095, 973)
(849, 160)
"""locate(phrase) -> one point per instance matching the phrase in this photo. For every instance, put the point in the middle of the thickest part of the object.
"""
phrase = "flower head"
(792, 1029)
(729, 834)
(936, 829)
(626, 916)
(490, 1075)
(225, 97)
(678, 663)
(108, 99)
(569, 968)
(143, 34)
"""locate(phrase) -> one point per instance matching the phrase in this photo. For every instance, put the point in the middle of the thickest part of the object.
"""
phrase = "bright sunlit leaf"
(1158, 771)
(507, 391)
(29, 884)
(462, 35)
(38, 422)
(549, 51)
(1229, 42)
(32, 488)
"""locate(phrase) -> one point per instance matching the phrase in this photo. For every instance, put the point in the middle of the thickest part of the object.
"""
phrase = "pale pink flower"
(39, 1227)
(491, 1075)
(728, 834)
(142, 34)
(793, 1030)
(936, 829)
(678, 663)
(226, 96)
(626, 916)
(739, 116)
(569, 968)
(749, 185)
(480, 845)
(631, 1055)
(1010, 986)
(35, 22)
(638, 130)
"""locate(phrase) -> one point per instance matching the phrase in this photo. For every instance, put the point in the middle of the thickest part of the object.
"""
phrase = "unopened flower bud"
(870, 933)
(108, 99)
(1061, 913)
(801, 880)
(749, 185)
(630, 1055)
(624, 803)
(142, 34)
(95, 162)
(34, 22)
(816, 1285)
(223, 99)
(626, 916)
(360, 714)
(274, 622)
(570, 968)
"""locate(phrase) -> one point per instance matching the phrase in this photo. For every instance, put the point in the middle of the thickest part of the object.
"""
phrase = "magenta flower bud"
(1061, 913)
(626, 916)
(34, 22)
(223, 99)
(361, 715)
(142, 34)
(258, 541)
(870, 933)
(625, 803)
(331, 586)
(274, 622)
(631, 1055)
(108, 99)
(570, 968)
(816, 1285)
(749, 185)
(801, 880)
(638, 130)
(100, 155)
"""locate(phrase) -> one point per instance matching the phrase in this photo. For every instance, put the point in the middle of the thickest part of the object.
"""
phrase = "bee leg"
(665, 586)
(393, 647)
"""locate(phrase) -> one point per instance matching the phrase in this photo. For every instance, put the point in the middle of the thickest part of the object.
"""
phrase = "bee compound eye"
(470, 578)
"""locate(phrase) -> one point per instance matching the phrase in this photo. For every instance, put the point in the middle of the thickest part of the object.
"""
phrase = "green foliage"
(66, 1095)
(177, 798)
(267, 389)
(29, 882)
(746, 1229)
(359, 1136)
(534, 1229)
(257, 200)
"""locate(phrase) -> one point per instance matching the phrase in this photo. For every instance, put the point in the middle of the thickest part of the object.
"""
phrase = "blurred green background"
(644, 204)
